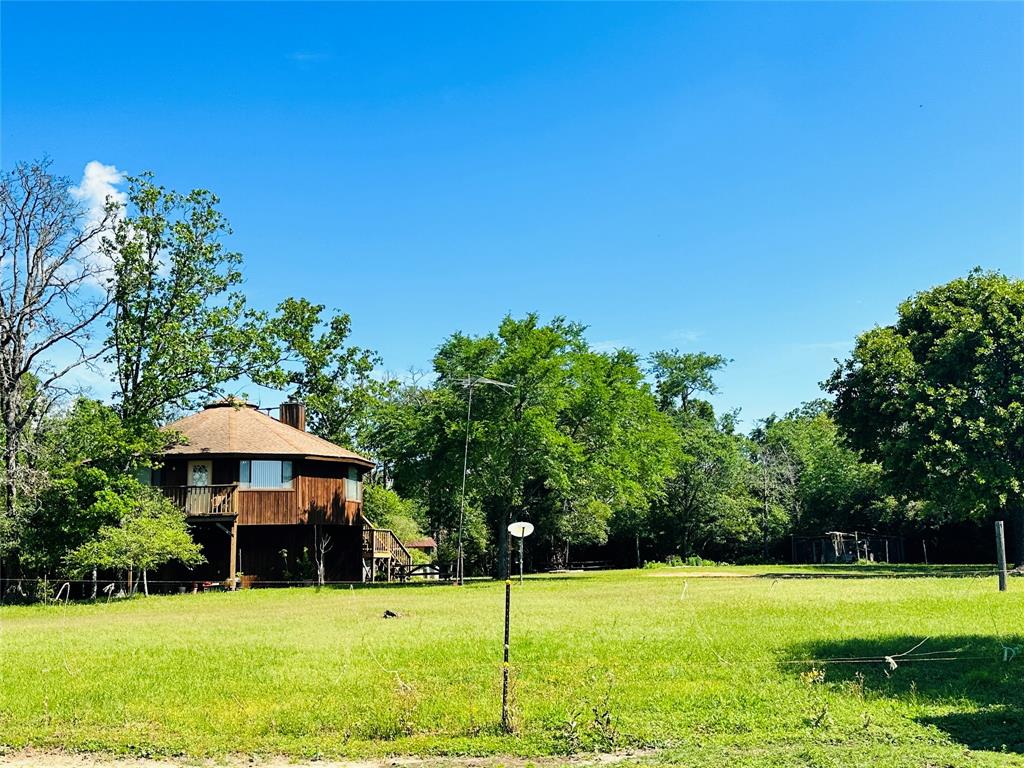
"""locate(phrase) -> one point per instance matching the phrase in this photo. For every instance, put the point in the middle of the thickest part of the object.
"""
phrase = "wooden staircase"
(384, 553)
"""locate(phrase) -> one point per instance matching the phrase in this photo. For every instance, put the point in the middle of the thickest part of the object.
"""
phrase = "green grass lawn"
(693, 663)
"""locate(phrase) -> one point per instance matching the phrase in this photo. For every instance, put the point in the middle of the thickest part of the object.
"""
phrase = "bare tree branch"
(53, 290)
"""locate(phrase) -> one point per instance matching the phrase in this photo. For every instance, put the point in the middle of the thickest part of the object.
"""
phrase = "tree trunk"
(10, 487)
(639, 563)
(145, 583)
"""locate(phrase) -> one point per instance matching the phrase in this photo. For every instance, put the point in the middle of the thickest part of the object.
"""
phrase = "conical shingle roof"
(235, 428)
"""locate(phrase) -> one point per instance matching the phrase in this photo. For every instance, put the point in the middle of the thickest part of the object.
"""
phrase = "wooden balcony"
(204, 500)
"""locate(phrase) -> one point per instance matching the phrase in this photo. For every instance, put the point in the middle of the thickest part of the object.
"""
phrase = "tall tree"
(576, 438)
(938, 398)
(181, 328)
(707, 508)
(680, 376)
(835, 488)
(332, 378)
(52, 291)
(707, 505)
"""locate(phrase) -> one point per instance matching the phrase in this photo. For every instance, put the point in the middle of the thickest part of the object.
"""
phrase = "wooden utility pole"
(1001, 554)
(232, 555)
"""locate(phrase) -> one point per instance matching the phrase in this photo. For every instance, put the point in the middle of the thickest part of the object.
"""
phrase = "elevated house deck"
(267, 499)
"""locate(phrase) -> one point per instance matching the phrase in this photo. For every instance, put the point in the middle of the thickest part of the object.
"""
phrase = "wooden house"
(266, 499)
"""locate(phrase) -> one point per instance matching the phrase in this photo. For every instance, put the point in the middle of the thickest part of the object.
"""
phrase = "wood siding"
(317, 496)
(267, 507)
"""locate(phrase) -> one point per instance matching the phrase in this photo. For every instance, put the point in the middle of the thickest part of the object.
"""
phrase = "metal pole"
(505, 720)
(1001, 555)
(522, 542)
(462, 504)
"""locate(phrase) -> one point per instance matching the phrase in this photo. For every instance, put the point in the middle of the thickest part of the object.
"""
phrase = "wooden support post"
(1001, 554)
(233, 556)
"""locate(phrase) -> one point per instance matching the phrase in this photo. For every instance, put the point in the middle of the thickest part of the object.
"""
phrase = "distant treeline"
(919, 432)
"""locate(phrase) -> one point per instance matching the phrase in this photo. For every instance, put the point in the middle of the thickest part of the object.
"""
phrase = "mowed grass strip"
(697, 663)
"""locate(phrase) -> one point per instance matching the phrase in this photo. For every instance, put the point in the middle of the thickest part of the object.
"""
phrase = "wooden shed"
(269, 500)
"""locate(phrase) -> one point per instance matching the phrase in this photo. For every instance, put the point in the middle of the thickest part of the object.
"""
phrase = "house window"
(148, 476)
(353, 488)
(262, 473)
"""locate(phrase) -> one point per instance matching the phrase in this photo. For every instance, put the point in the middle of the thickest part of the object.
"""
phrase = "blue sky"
(759, 180)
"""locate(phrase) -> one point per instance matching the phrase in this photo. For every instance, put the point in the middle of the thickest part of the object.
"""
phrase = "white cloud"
(685, 335)
(609, 345)
(99, 183)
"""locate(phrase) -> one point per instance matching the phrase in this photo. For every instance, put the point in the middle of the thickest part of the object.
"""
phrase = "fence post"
(1001, 555)
(506, 720)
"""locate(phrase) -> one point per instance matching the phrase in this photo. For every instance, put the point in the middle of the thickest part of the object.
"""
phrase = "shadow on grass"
(883, 570)
(964, 674)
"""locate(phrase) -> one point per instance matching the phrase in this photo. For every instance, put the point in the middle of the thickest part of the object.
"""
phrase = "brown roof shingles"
(235, 428)
(424, 543)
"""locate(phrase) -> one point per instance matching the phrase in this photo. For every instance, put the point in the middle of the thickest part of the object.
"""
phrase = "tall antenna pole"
(462, 504)
(469, 382)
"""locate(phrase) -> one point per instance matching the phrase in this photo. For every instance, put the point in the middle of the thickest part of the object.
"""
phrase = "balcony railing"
(203, 500)
(382, 543)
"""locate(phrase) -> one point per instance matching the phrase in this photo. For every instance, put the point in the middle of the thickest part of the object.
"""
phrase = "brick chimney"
(294, 415)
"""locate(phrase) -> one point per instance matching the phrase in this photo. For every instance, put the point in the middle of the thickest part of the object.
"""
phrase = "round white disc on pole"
(520, 530)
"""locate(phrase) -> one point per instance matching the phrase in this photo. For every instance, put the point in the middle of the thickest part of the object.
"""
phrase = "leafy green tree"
(386, 509)
(81, 452)
(938, 399)
(682, 376)
(181, 328)
(574, 440)
(322, 371)
(835, 489)
(707, 507)
(151, 532)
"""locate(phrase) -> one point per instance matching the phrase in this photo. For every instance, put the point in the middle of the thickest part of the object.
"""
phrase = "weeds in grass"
(857, 685)
(813, 676)
(571, 734)
(604, 662)
(596, 732)
(822, 718)
(606, 735)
